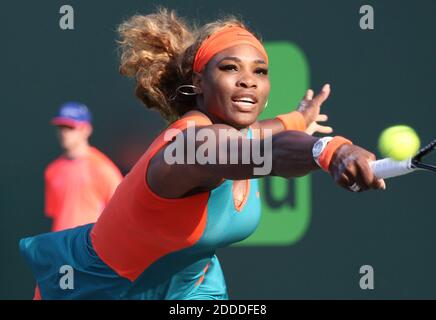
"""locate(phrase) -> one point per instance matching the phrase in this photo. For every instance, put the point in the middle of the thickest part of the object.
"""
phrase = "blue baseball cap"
(72, 114)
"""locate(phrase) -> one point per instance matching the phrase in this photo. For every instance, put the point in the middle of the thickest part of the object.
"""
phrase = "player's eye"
(229, 67)
(261, 71)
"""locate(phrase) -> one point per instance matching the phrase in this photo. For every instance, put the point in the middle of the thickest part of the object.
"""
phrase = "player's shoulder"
(190, 118)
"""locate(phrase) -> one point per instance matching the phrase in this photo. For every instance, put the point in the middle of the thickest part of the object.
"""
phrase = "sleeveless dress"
(144, 246)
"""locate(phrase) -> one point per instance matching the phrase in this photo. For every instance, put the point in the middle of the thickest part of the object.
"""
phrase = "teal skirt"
(66, 266)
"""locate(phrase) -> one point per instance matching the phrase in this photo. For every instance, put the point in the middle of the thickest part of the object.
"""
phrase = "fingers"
(323, 95)
(355, 175)
(369, 176)
(320, 97)
(323, 129)
(364, 176)
(370, 179)
(310, 108)
(308, 95)
(381, 184)
(315, 127)
(344, 181)
(321, 118)
(326, 88)
(352, 167)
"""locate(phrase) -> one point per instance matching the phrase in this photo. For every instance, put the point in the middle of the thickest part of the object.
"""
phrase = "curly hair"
(158, 50)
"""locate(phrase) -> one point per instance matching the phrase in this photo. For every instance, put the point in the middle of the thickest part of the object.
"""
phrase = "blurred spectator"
(81, 181)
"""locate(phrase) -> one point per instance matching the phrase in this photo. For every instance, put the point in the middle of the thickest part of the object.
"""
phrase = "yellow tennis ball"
(399, 142)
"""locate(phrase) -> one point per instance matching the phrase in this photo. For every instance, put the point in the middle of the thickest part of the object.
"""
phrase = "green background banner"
(314, 236)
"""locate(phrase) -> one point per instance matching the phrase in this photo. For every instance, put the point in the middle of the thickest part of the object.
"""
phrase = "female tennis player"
(156, 239)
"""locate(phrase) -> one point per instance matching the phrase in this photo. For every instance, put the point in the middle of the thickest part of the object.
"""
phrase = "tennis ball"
(398, 142)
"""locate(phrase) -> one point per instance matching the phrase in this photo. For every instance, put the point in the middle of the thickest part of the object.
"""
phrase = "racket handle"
(388, 168)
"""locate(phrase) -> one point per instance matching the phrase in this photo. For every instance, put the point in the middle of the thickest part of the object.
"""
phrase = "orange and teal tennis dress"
(144, 246)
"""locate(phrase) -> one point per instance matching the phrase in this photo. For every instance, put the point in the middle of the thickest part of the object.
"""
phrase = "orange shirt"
(77, 190)
(138, 227)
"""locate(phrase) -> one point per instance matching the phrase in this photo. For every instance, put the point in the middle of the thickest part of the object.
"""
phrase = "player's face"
(71, 137)
(234, 86)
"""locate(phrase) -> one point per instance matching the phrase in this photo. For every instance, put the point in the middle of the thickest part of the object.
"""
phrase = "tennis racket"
(389, 168)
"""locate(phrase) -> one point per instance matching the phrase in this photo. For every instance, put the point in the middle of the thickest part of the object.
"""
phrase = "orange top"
(138, 226)
(77, 190)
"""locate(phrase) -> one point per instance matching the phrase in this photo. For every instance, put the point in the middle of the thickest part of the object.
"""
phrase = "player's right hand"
(351, 170)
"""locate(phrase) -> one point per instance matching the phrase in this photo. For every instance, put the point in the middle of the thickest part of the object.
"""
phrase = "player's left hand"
(310, 107)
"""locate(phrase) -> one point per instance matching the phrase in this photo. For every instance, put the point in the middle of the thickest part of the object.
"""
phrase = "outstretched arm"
(286, 154)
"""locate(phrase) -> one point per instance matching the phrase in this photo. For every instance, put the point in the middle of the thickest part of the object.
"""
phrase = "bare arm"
(287, 154)
(290, 154)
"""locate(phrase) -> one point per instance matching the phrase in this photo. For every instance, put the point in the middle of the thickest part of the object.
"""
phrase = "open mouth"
(246, 100)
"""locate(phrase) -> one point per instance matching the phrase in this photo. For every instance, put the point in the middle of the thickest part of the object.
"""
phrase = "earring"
(185, 90)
